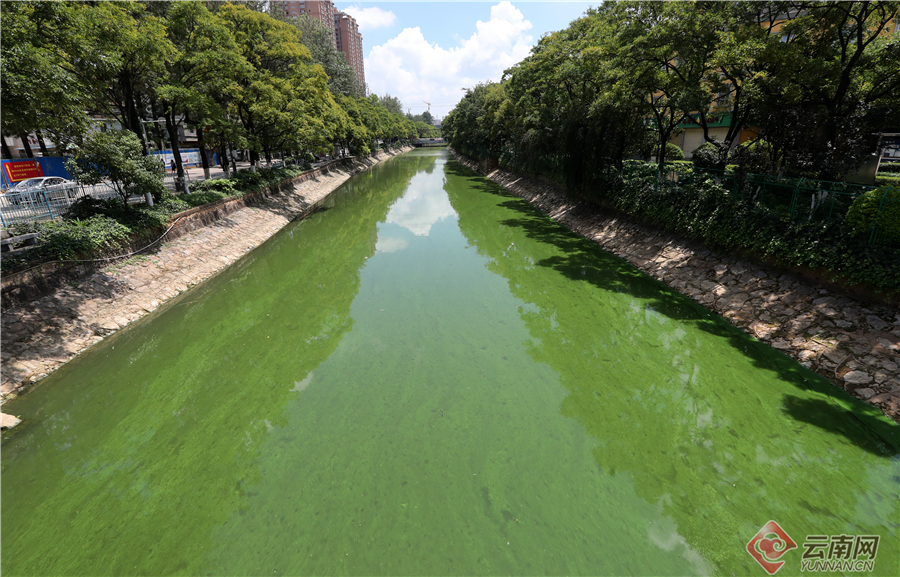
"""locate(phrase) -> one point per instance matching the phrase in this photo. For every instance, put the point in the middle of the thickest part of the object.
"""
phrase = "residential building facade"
(345, 30)
(349, 41)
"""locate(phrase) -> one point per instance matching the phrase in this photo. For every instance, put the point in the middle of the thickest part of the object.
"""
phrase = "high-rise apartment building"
(349, 41)
(344, 29)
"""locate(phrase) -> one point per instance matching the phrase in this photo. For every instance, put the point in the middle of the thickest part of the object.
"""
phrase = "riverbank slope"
(852, 343)
(41, 335)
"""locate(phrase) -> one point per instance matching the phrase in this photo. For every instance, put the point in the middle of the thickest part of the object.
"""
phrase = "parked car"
(43, 182)
(56, 186)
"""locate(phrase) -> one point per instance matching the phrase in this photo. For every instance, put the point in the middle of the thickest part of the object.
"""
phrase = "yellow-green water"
(432, 378)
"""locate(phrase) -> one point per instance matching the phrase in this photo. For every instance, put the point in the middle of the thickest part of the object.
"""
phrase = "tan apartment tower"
(349, 41)
(347, 38)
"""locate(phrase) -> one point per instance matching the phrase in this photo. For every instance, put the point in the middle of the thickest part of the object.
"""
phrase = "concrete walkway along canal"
(432, 377)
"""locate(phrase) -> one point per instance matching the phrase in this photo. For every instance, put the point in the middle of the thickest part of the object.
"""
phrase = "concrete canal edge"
(853, 343)
(40, 335)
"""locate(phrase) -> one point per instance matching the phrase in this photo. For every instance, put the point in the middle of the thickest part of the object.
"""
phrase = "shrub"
(880, 207)
(247, 180)
(889, 168)
(138, 218)
(117, 156)
(891, 180)
(754, 156)
(708, 155)
(86, 207)
(223, 186)
(706, 209)
(673, 153)
(68, 239)
(202, 197)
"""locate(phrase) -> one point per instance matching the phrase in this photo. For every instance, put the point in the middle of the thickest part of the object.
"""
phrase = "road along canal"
(433, 377)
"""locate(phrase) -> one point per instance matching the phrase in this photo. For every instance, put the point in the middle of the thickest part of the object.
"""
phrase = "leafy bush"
(247, 180)
(889, 167)
(69, 239)
(673, 152)
(879, 207)
(135, 218)
(754, 156)
(705, 209)
(202, 197)
(708, 155)
(117, 156)
(222, 186)
(882, 180)
(86, 207)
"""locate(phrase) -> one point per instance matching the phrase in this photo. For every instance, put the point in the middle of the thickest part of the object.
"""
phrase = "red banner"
(22, 169)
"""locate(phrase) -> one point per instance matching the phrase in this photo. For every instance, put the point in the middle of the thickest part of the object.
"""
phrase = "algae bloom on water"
(452, 384)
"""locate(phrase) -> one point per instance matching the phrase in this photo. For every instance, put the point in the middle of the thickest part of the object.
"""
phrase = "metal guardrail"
(44, 204)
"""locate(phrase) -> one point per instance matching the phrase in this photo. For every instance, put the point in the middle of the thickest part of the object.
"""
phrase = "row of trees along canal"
(817, 80)
(241, 76)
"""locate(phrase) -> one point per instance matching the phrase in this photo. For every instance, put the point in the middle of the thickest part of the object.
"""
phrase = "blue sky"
(429, 51)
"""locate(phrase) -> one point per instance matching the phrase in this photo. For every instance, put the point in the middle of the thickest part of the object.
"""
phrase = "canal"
(430, 377)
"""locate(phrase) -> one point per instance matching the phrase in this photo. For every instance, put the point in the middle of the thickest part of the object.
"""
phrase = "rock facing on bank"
(854, 344)
(39, 336)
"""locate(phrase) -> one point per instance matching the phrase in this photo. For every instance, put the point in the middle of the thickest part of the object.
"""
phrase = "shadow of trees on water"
(581, 260)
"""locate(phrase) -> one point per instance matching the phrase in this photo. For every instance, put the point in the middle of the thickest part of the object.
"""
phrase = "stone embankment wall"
(855, 344)
(40, 335)
(20, 288)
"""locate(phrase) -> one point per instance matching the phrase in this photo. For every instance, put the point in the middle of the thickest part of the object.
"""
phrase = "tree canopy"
(816, 79)
(231, 70)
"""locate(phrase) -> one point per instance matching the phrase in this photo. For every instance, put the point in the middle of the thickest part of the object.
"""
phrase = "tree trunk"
(172, 129)
(26, 146)
(40, 139)
(203, 159)
(7, 153)
(132, 120)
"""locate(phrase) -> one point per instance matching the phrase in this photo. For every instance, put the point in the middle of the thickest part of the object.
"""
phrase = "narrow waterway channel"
(431, 377)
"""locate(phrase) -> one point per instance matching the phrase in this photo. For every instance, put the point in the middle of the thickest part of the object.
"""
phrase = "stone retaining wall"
(854, 344)
(22, 287)
(39, 336)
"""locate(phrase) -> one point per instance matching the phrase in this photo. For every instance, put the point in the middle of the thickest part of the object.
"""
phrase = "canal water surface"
(429, 377)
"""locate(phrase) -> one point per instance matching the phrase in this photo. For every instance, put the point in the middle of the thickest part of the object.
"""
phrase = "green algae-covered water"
(432, 378)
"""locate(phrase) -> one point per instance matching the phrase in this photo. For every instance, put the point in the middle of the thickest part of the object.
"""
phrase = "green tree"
(206, 55)
(391, 103)
(117, 157)
(280, 100)
(828, 80)
(319, 40)
(37, 89)
(118, 52)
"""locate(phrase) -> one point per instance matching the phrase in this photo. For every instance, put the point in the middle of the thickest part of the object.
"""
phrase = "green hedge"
(883, 180)
(706, 211)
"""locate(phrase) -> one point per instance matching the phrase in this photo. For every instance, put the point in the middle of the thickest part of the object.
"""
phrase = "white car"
(55, 186)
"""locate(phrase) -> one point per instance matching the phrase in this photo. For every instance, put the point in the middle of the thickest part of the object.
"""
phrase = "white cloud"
(391, 244)
(371, 18)
(415, 70)
(420, 208)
